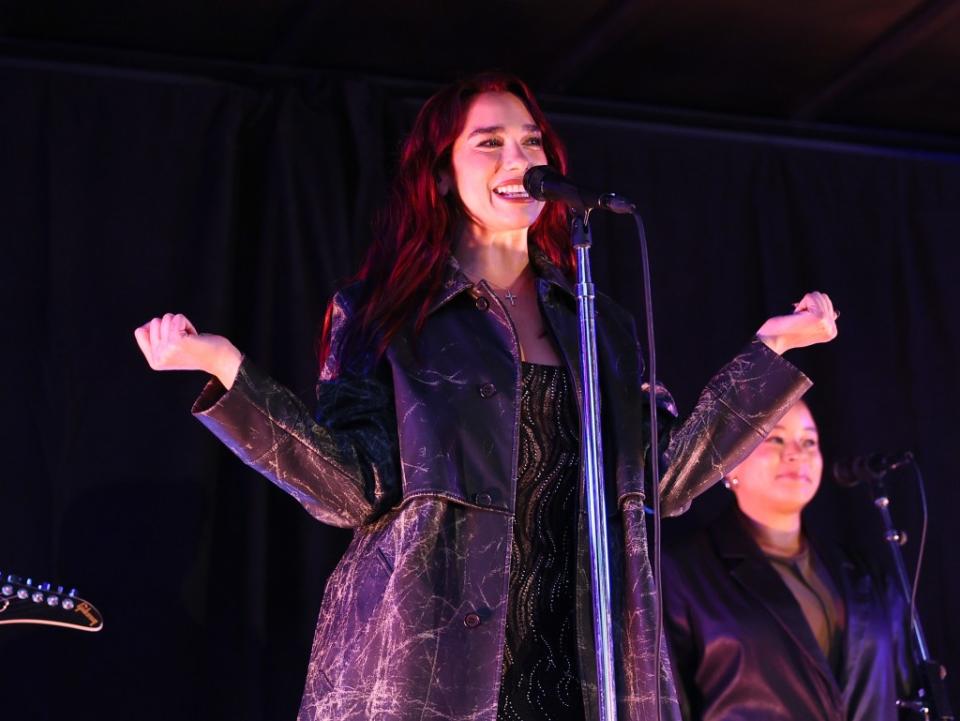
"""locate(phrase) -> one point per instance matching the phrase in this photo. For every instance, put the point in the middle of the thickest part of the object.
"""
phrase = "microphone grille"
(533, 180)
(869, 468)
(844, 474)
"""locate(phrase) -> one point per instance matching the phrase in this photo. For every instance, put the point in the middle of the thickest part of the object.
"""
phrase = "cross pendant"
(511, 297)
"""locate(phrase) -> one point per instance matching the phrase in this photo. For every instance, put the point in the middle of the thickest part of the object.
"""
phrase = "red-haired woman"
(446, 433)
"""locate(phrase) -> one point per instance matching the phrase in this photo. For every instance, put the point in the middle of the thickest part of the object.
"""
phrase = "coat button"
(483, 499)
(482, 303)
(488, 390)
(471, 620)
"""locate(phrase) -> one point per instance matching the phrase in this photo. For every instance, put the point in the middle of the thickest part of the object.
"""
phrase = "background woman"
(446, 433)
(766, 623)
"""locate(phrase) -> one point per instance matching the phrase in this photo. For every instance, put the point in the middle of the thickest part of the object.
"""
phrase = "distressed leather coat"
(742, 648)
(419, 457)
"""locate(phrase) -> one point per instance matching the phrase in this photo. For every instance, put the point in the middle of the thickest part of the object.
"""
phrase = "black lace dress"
(541, 678)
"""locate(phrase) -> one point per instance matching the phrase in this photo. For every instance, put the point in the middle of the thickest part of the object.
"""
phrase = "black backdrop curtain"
(125, 194)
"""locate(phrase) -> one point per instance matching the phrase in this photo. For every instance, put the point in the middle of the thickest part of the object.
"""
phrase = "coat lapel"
(749, 568)
(857, 593)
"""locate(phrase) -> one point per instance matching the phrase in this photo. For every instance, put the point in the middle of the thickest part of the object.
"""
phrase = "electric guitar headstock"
(25, 602)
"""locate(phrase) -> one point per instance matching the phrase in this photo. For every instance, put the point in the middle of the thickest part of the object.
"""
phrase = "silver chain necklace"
(506, 292)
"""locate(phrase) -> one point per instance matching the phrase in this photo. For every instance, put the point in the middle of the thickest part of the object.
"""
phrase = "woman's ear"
(444, 182)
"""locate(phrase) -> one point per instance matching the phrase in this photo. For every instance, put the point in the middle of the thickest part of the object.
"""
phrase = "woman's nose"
(517, 156)
(792, 449)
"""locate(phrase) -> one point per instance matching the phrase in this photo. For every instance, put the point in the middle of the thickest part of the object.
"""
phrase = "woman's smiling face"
(498, 143)
(783, 473)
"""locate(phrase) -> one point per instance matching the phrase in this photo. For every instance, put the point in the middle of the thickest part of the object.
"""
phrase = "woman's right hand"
(172, 343)
(814, 320)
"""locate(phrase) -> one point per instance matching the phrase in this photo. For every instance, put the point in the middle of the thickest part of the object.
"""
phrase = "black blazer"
(742, 648)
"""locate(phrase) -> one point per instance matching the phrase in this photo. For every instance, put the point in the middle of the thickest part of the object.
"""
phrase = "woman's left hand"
(813, 321)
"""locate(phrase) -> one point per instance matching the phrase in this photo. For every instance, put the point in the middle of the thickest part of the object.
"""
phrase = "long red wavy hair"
(413, 234)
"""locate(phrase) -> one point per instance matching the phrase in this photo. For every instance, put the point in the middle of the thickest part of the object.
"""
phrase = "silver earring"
(730, 483)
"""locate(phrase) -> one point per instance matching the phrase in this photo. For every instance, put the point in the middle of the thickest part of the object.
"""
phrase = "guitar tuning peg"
(14, 579)
(73, 593)
(29, 581)
(59, 590)
(45, 587)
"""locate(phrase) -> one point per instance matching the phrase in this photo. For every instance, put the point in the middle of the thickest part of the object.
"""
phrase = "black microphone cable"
(654, 456)
(923, 541)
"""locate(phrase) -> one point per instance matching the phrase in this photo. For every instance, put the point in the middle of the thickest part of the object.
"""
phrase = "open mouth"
(512, 191)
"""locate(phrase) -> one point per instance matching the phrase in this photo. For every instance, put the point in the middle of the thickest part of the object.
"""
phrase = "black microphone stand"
(931, 702)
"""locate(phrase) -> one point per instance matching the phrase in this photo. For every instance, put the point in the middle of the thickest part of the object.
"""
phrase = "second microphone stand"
(932, 702)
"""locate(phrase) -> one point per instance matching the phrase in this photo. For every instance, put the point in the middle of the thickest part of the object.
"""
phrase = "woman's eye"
(811, 443)
(490, 143)
(775, 439)
(536, 141)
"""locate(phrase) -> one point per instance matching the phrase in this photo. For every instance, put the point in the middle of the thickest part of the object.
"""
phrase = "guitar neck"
(25, 602)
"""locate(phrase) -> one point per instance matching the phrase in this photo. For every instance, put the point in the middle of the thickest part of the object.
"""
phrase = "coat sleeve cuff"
(215, 402)
(759, 386)
(236, 415)
(737, 409)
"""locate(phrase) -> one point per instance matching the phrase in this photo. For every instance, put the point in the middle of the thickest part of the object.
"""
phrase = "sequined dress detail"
(540, 679)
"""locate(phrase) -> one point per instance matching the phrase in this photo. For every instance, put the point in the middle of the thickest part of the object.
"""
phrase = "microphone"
(544, 183)
(869, 468)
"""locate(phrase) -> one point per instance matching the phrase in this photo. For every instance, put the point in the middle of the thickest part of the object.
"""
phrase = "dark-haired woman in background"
(446, 434)
(767, 624)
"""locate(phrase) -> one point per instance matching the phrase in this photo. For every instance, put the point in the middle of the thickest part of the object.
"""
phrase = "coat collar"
(549, 272)
(749, 567)
(455, 281)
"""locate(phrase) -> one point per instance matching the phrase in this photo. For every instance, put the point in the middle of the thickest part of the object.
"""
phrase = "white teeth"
(510, 190)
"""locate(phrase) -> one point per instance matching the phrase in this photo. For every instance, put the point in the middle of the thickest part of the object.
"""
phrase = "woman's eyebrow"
(487, 130)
